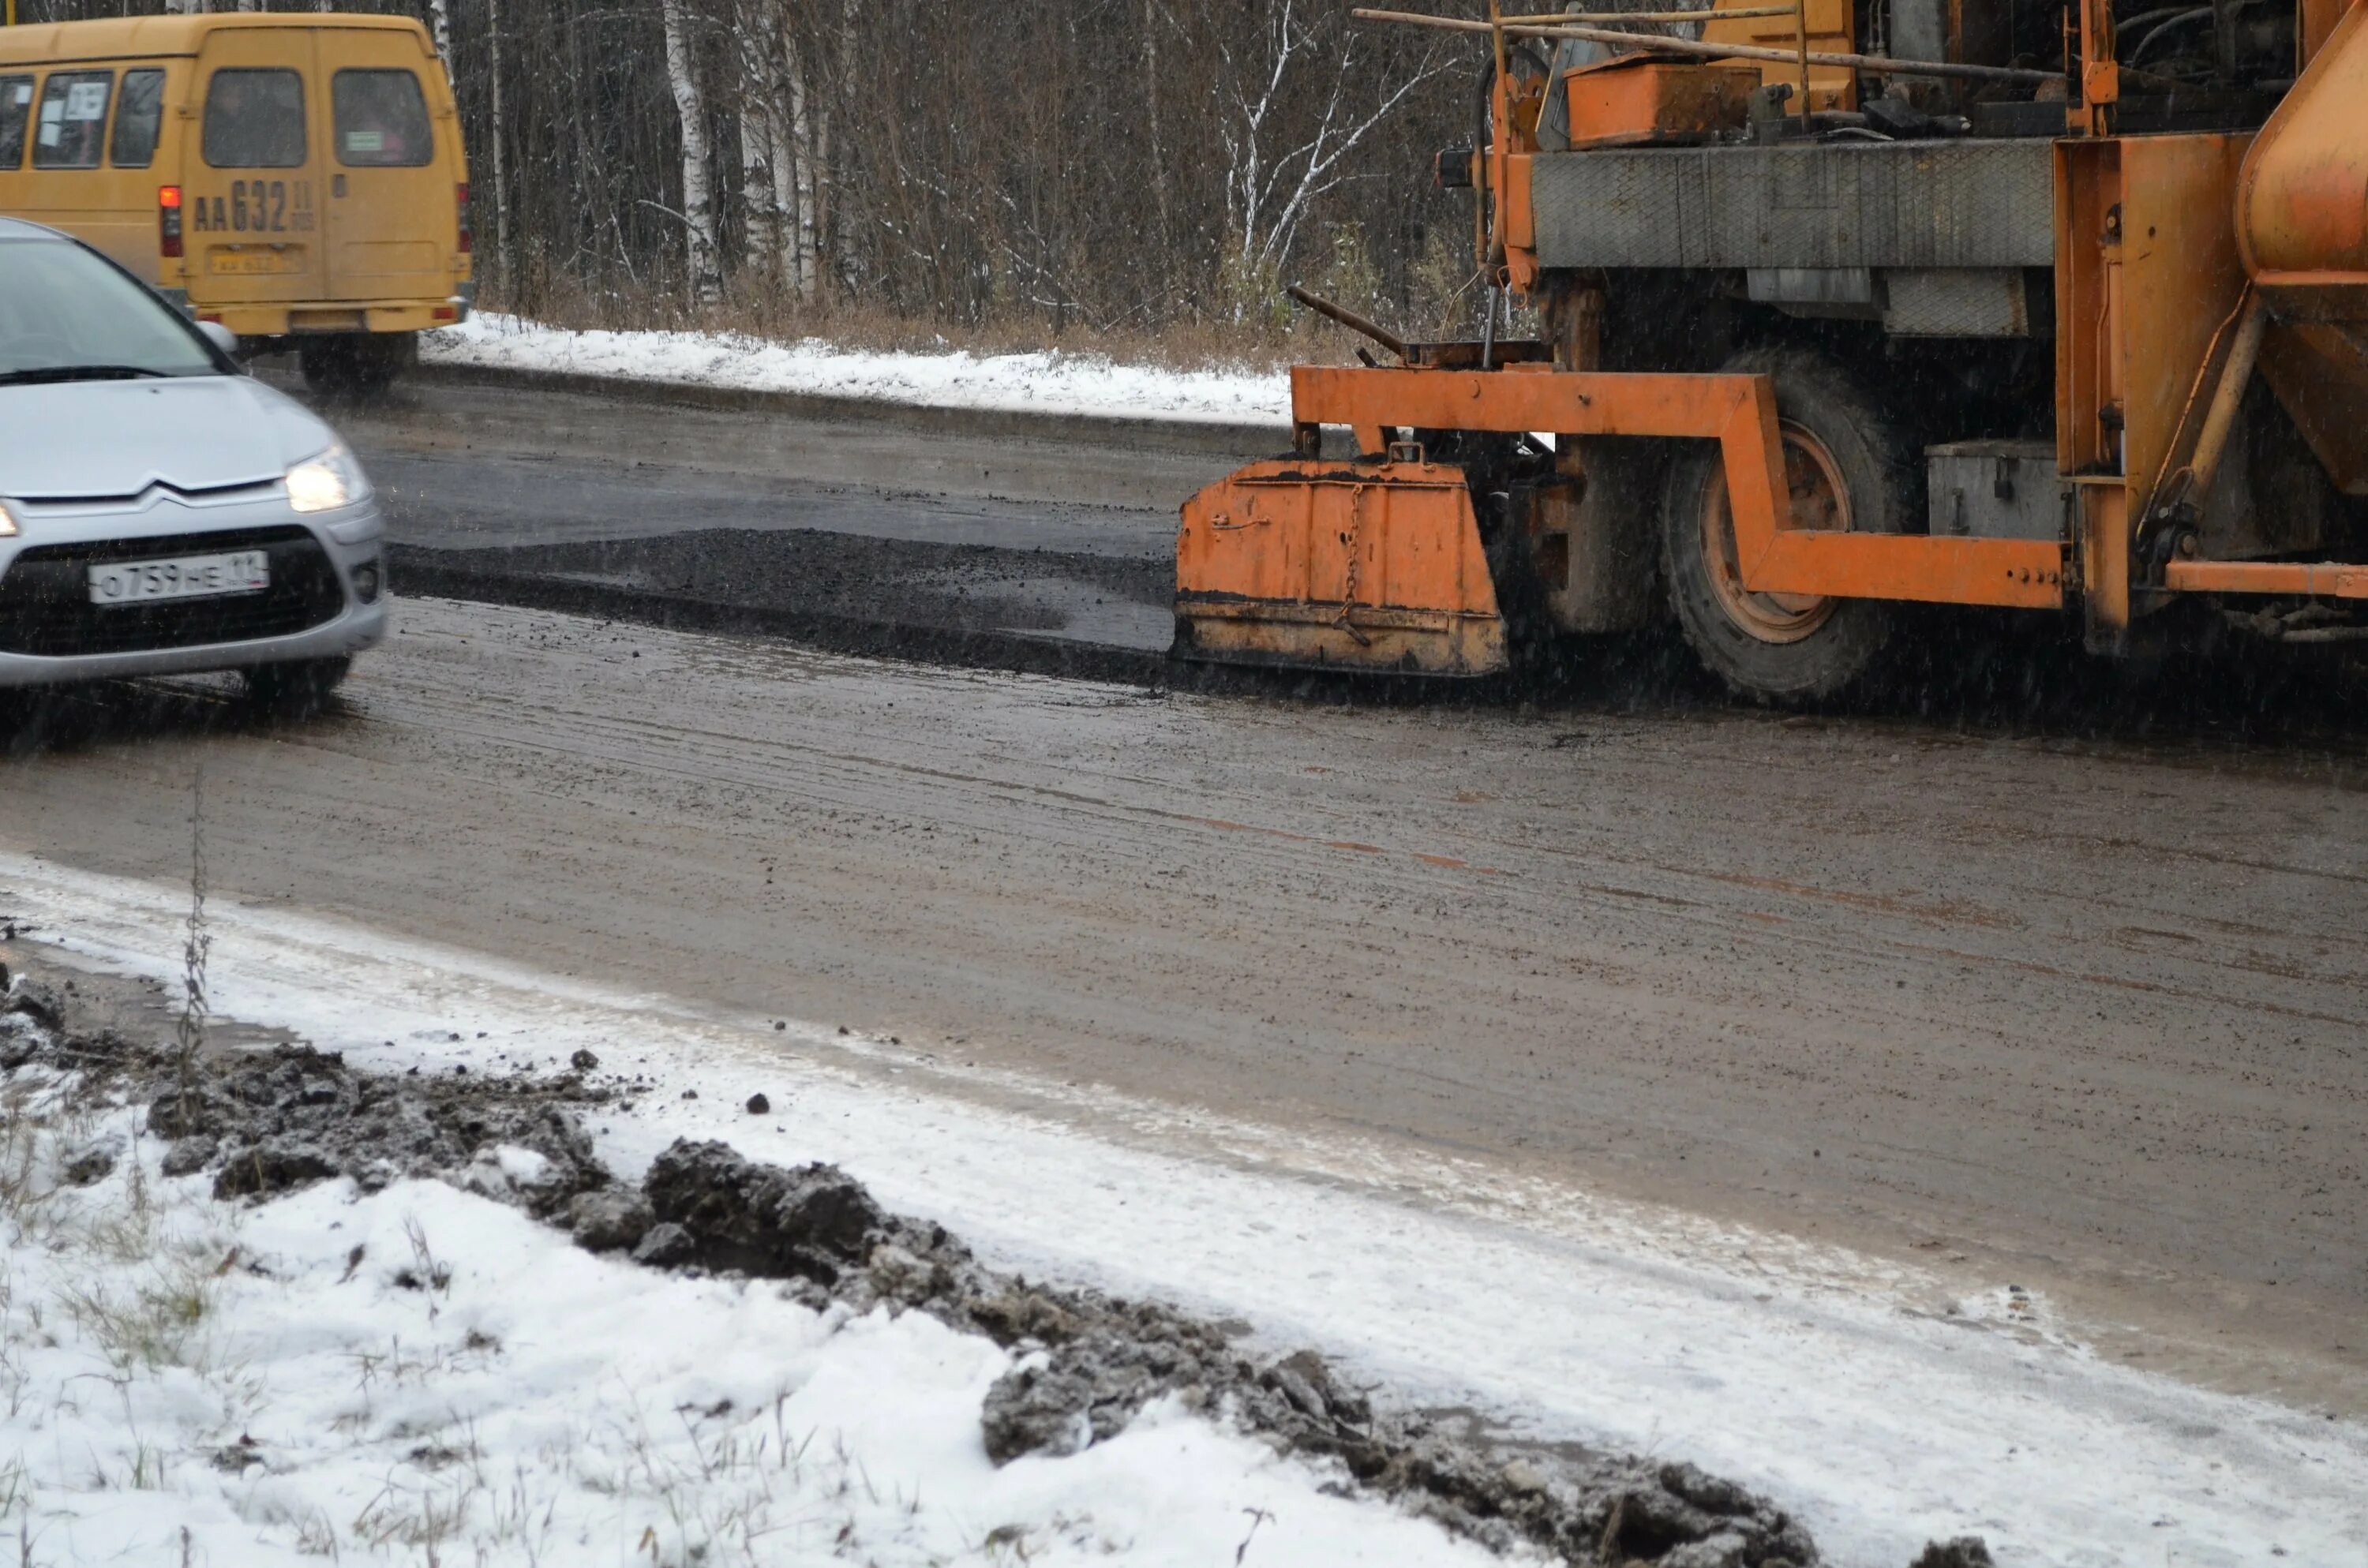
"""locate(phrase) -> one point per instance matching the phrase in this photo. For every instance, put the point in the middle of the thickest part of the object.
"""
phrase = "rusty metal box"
(1635, 100)
(1996, 490)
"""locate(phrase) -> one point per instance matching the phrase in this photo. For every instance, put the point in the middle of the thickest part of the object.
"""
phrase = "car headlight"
(8, 521)
(326, 483)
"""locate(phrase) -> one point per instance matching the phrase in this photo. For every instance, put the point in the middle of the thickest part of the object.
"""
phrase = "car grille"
(45, 606)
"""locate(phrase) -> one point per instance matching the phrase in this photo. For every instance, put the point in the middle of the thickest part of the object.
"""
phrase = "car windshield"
(66, 315)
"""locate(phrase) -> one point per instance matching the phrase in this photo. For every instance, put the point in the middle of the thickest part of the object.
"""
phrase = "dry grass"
(1262, 332)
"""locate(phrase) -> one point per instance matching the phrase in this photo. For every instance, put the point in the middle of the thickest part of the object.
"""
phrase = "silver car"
(160, 510)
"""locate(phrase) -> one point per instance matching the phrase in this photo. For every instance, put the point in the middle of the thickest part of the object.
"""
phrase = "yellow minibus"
(296, 176)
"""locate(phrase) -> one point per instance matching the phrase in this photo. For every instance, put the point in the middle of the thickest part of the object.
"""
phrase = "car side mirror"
(220, 336)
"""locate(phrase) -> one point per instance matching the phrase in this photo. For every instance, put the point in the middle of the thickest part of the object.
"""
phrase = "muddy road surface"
(2089, 1016)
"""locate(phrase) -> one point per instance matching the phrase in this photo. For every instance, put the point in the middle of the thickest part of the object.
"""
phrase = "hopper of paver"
(2302, 227)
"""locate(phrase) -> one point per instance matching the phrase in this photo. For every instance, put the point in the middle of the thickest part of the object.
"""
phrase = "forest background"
(1140, 177)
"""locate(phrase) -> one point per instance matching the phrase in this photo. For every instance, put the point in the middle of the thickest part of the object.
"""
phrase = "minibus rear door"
(392, 209)
(253, 197)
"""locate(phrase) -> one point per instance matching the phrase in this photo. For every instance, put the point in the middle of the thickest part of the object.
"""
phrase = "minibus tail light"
(468, 234)
(168, 221)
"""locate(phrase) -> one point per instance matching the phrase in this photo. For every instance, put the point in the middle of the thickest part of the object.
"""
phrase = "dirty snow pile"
(1050, 382)
(423, 1373)
(1883, 1405)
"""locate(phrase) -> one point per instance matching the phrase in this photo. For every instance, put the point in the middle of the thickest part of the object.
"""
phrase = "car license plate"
(254, 263)
(185, 577)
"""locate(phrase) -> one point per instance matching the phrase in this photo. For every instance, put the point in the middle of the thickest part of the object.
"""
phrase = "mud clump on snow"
(1965, 1551)
(296, 1115)
(268, 1121)
(815, 1223)
(1088, 1362)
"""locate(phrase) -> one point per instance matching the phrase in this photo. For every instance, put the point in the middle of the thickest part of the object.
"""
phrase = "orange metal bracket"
(2329, 579)
(1739, 412)
(2101, 76)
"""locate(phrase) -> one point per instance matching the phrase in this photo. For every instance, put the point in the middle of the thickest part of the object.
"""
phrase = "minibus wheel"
(356, 364)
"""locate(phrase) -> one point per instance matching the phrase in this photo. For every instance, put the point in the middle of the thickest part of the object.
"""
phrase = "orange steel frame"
(2135, 325)
(2324, 579)
(1739, 412)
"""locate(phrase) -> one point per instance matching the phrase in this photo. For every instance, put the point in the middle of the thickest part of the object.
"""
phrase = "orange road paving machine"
(2029, 304)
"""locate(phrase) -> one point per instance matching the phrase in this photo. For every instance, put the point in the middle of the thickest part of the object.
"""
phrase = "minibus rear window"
(138, 113)
(254, 120)
(15, 102)
(381, 120)
(74, 120)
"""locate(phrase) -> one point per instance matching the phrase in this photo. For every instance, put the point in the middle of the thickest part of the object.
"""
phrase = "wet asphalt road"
(874, 535)
(466, 466)
(2069, 1001)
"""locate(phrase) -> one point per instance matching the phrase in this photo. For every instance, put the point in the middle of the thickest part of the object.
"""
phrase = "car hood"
(79, 440)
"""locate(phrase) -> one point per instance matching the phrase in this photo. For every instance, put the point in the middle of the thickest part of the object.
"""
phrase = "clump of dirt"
(296, 1115)
(269, 1120)
(30, 1017)
(1965, 1551)
(1089, 1361)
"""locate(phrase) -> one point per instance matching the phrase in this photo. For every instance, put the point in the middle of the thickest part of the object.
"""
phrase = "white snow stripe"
(1051, 382)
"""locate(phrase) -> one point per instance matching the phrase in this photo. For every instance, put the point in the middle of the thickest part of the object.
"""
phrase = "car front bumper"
(36, 640)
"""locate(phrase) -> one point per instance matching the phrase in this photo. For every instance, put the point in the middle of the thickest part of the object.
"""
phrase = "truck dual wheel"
(1851, 467)
(356, 364)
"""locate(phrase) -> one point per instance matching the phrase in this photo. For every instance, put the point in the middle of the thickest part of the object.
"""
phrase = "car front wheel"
(296, 689)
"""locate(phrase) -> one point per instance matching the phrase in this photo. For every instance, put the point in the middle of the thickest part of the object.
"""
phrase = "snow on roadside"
(1846, 1394)
(425, 1374)
(1050, 382)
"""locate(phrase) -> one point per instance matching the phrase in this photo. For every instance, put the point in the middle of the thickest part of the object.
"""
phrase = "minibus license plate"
(249, 263)
(186, 577)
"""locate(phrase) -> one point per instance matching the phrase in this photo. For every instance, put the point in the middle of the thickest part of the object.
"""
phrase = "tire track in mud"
(1093, 828)
(1112, 826)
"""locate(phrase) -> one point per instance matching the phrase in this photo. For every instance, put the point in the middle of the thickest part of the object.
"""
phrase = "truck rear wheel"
(356, 364)
(1851, 467)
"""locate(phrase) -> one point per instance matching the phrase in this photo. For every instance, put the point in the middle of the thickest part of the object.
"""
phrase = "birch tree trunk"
(440, 23)
(760, 154)
(499, 137)
(842, 233)
(1159, 181)
(698, 187)
(765, 152)
(797, 175)
(820, 187)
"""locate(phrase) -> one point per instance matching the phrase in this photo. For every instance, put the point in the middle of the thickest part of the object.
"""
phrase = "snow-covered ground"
(1851, 1390)
(423, 1374)
(1050, 382)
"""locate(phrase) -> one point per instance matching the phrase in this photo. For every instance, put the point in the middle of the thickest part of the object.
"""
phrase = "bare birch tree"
(703, 251)
(768, 157)
(1277, 168)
